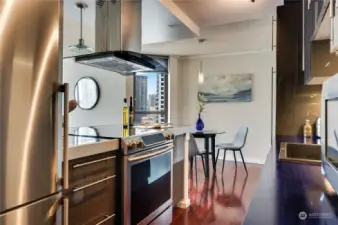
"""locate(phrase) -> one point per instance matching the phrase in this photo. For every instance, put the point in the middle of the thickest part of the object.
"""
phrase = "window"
(151, 100)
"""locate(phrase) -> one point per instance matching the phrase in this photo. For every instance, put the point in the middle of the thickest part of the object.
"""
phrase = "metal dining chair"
(235, 146)
(195, 151)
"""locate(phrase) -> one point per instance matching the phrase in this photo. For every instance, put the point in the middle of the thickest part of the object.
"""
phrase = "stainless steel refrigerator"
(31, 147)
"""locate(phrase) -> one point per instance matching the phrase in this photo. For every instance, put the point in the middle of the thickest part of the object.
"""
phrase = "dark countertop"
(285, 189)
(75, 141)
(113, 131)
(80, 147)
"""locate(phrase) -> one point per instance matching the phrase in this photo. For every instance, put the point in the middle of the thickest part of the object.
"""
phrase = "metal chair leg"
(191, 161)
(240, 151)
(217, 155)
(235, 159)
(196, 169)
(202, 157)
(224, 157)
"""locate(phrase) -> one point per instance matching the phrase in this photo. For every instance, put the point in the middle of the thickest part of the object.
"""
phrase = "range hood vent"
(123, 62)
(118, 39)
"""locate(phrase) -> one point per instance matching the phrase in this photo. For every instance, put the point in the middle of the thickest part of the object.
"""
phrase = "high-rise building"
(141, 101)
(160, 95)
(152, 101)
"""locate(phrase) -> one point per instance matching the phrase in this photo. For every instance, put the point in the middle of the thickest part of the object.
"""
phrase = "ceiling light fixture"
(81, 47)
(201, 74)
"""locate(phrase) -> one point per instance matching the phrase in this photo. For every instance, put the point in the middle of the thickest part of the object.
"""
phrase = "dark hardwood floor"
(221, 199)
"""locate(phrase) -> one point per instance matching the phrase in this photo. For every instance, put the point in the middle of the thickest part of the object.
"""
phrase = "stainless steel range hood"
(118, 39)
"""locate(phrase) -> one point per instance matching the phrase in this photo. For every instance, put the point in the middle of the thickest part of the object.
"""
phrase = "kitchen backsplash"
(295, 104)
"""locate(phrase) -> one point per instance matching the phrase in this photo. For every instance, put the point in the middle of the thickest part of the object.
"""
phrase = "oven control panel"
(137, 143)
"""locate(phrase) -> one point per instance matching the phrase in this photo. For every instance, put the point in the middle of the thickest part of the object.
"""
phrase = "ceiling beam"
(182, 16)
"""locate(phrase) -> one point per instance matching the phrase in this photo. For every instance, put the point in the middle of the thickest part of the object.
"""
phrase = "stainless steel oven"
(147, 190)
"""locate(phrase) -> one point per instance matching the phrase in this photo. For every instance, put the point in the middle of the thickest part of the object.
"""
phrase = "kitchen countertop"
(116, 131)
(286, 189)
(80, 147)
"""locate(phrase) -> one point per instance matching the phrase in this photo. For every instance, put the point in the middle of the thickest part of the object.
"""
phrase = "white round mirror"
(87, 93)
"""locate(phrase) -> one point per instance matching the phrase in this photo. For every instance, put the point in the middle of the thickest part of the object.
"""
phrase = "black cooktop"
(109, 131)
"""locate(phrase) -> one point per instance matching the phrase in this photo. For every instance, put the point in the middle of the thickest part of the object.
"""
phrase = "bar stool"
(235, 146)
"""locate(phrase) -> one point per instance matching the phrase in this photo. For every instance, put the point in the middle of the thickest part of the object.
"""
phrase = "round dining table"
(209, 136)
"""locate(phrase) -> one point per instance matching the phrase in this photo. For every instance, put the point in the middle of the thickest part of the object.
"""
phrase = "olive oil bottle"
(125, 114)
(307, 129)
(125, 132)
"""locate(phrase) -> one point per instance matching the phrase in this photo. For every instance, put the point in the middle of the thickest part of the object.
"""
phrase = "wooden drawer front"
(92, 178)
(102, 220)
(92, 166)
(93, 203)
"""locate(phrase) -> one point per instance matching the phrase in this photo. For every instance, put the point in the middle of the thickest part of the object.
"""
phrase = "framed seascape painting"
(227, 88)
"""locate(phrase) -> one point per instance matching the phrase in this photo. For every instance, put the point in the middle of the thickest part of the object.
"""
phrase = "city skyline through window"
(150, 104)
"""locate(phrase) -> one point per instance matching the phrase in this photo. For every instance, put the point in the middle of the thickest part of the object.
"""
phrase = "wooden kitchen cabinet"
(93, 189)
(91, 168)
(333, 10)
(313, 14)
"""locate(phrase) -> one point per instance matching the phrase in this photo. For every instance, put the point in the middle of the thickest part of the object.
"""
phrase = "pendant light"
(81, 47)
(201, 73)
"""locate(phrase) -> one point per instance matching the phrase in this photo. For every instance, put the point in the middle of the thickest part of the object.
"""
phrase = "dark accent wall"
(295, 102)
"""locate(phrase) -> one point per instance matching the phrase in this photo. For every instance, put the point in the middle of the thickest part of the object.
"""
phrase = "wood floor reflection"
(221, 199)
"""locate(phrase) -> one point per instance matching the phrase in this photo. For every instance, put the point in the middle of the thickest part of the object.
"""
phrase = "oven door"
(148, 185)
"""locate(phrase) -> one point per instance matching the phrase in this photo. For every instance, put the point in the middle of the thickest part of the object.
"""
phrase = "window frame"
(166, 92)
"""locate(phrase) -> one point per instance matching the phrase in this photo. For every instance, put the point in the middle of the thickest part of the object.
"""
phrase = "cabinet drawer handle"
(92, 162)
(106, 219)
(94, 183)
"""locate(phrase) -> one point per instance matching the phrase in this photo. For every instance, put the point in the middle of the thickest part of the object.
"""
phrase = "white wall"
(229, 116)
(112, 92)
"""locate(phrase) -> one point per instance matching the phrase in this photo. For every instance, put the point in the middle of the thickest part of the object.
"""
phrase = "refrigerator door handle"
(65, 170)
(65, 214)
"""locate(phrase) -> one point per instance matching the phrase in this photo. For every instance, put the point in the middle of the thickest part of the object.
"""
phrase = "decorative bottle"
(125, 114)
(199, 123)
(307, 129)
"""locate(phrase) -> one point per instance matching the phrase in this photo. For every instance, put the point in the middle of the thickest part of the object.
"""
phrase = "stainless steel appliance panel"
(148, 173)
(29, 77)
(44, 212)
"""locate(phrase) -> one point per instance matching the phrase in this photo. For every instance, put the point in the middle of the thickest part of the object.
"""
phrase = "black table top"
(286, 189)
(206, 133)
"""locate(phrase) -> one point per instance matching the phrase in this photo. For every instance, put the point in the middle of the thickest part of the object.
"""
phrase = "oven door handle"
(137, 158)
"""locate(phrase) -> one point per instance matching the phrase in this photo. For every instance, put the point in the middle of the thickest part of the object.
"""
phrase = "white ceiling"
(214, 17)
(238, 37)
(216, 12)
